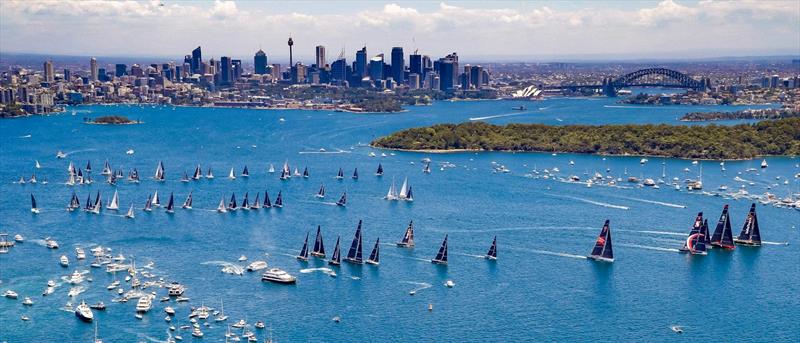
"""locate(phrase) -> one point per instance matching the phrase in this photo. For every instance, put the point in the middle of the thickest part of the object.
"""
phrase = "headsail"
(114, 203)
(34, 208)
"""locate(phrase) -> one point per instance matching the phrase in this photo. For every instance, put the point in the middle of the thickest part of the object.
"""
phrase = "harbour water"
(540, 289)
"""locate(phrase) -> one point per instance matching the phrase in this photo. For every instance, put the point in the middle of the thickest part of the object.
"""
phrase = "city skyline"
(560, 30)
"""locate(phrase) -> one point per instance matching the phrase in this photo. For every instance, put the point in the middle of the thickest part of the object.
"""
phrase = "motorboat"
(27, 301)
(176, 290)
(144, 304)
(449, 284)
(84, 313)
(64, 261)
(256, 265)
(50, 243)
(169, 310)
(278, 276)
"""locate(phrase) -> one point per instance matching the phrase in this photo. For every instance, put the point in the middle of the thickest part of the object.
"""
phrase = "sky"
(477, 30)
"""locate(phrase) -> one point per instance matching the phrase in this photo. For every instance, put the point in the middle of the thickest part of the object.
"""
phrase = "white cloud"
(227, 27)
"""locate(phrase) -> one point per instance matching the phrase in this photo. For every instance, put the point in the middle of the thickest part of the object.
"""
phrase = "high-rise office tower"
(236, 70)
(93, 69)
(49, 75)
(197, 58)
(225, 70)
(67, 75)
(320, 57)
(415, 64)
(361, 62)
(339, 70)
(120, 70)
(398, 65)
(260, 62)
(376, 68)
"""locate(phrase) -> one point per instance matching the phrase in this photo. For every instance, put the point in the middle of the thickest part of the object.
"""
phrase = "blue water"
(540, 289)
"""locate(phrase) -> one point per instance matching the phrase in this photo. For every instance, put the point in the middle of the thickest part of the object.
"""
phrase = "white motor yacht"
(84, 312)
(144, 304)
(256, 265)
(10, 294)
(64, 261)
(278, 276)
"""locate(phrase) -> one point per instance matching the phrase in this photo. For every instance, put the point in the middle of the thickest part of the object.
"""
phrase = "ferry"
(278, 276)
(175, 289)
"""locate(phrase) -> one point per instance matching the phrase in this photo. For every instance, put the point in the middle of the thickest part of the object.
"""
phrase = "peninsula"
(777, 137)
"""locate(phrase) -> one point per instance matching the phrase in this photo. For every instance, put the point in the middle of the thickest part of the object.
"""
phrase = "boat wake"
(775, 243)
(468, 255)
(655, 202)
(649, 247)
(227, 267)
(77, 151)
(39, 242)
(75, 291)
(337, 151)
(326, 271)
(420, 286)
(498, 116)
(588, 201)
(506, 229)
(25, 136)
(670, 233)
(553, 253)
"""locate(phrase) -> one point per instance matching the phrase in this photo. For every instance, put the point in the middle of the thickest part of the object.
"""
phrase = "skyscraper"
(197, 58)
(225, 70)
(339, 70)
(361, 62)
(398, 65)
(236, 70)
(376, 68)
(260, 62)
(321, 57)
(93, 69)
(49, 75)
(120, 70)
(447, 70)
(415, 64)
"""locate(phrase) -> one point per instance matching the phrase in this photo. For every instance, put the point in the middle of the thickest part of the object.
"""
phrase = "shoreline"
(456, 151)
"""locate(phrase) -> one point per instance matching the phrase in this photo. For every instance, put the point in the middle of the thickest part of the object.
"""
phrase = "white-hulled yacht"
(278, 276)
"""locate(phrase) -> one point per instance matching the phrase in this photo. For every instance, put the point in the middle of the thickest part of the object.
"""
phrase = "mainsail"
(335, 259)
(279, 200)
(379, 172)
(695, 243)
(492, 253)
(304, 251)
(188, 203)
(114, 203)
(342, 200)
(375, 255)
(170, 204)
(408, 237)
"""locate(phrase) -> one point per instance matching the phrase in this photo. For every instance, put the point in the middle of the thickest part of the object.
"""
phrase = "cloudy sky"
(475, 29)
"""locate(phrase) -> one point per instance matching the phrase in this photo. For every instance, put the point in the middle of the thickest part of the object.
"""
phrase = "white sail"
(271, 168)
(392, 194)
(130, 213)
(221, 208)
(156, 202)
(114, 204)
(404, 189)
(286, 167)
(38, 166)
(232, 175)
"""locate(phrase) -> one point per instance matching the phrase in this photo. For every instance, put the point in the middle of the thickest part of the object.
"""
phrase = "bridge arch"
(683, 80)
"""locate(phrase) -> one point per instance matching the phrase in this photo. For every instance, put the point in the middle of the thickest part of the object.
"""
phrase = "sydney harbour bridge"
(648, 77)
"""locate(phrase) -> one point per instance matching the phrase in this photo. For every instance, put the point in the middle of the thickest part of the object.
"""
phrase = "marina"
(163, 232)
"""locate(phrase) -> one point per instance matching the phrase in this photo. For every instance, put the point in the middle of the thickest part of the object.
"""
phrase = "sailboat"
(34, 208)
(106, 169)
(156, 202)
(750, 235)
(764, 164)
(342, 200)
(197, 173)
(335, 259)
(305, 172)
(170, 204)
(284, 175)
(232, 204)
(245, 202)
(603, 250)
(379, 172)
(695, 243)
(375, 255)
(232, 174)
(405, 191)
(114, 203)
(148, 206)
(492, 253)
(321, 192)
(271, 168)
(354, 255)
(209, 174)
(98, 204)
(89, 203)
(38, 166)
(88, 166)
(159, 175)
(267, 203)
(130, 214)
(74, 203)
(188, 203)
(304, 251)
(408, 237)
(133, 176)
(279, 200)
(185, 177)
(221, 208)
(256, 203)
(427, 169)
(245, 172)
(286, 169)
(296, 172)
(723, 237)
(319, 247)
(441, 256)
(340, 174)
(392, 194)
(355, 174)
